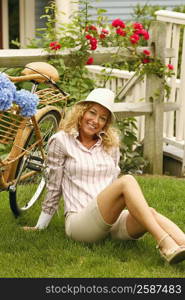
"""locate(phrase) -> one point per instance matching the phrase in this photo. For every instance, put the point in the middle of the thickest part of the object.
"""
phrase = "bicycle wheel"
(30, 172)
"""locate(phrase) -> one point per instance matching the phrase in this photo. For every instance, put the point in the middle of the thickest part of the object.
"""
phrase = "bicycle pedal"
(34, 167)
(32, 157)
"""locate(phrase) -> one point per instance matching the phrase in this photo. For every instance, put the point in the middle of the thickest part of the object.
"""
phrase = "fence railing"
(118, 78)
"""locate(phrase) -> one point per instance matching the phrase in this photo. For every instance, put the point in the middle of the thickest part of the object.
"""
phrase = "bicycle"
(23, 170)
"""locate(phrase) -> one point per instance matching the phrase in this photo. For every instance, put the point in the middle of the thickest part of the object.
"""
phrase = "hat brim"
(85, 101)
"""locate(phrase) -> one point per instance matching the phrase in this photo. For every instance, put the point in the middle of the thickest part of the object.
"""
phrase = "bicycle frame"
(21, 132)
(9, 165)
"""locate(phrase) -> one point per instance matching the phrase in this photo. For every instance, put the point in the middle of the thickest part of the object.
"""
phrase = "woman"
(83, 160)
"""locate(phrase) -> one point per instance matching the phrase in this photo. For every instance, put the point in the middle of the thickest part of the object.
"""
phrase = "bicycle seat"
(41, 68)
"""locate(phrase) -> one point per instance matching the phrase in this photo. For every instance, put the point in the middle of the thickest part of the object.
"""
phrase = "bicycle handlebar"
(40, 72)
(37, 71)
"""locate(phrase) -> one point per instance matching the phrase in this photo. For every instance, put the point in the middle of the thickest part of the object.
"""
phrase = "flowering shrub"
(9, 95)
(7, 92)
(84, 36)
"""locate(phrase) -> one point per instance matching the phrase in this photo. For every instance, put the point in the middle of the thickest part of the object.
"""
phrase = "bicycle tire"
(26, 193)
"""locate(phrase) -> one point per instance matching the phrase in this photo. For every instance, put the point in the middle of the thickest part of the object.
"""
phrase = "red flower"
(145, 34)
(134, 38)
(103, 33)
(102, 36)
(146, 52)
(55, 45)
(120, 31)
(139, 31)
(90, 61)
(138, 26)
(91, 27)
(170, 67)
(118, 23)
(88, 37)
(142, 32)
(145, 61)
(93, 46)
(93, 43)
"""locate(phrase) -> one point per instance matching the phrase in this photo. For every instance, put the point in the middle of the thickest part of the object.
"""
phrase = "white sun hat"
(102, 96)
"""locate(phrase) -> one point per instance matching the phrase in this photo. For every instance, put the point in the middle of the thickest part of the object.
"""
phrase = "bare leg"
(125, 192)
(136, 230)
(171, 228)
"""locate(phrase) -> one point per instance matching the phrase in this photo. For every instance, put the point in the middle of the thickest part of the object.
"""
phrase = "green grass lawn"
(50, 254)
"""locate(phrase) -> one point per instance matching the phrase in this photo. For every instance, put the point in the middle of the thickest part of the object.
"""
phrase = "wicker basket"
(10, 122)
(12, 125)
(50, 96)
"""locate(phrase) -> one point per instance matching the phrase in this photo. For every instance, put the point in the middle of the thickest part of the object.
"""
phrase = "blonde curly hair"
(72, 119)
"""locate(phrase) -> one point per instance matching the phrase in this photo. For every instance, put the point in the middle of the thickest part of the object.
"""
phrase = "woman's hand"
(29, 228)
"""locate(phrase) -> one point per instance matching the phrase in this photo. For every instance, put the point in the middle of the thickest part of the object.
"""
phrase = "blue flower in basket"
(27, 102)
(7, 92)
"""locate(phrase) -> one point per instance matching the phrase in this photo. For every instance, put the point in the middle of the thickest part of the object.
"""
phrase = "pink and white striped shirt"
(77, 173)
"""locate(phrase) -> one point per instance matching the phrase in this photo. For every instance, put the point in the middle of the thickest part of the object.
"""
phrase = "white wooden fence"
(174, 121)
(174, 125)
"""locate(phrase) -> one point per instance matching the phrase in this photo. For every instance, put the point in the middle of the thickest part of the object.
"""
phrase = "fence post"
(153, 139)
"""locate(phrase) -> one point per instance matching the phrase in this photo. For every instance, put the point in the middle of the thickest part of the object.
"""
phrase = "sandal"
(173, 256)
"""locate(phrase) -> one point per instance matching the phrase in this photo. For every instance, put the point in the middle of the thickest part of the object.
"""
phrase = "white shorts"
(88, 225)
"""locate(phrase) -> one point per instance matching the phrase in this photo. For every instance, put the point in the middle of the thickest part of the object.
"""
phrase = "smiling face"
(93, 121)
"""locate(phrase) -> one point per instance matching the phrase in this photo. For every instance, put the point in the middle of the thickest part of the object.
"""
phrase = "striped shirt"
(77, 173)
